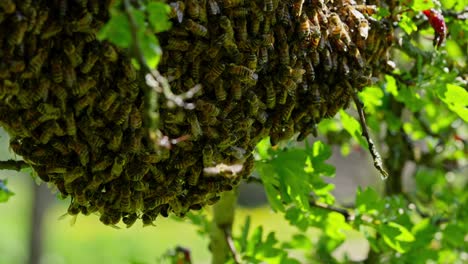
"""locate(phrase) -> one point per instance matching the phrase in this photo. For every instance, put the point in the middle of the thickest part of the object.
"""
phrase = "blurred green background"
(88, 241)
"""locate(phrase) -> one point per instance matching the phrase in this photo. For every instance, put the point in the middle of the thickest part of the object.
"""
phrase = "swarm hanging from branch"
(73, 105)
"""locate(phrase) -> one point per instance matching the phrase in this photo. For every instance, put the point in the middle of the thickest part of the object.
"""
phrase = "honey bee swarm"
(73, 105)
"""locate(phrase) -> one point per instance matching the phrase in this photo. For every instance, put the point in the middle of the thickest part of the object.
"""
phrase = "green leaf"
(298, 241)
(372, 98)
(297, 217)
(158, 16)
(353, 127)
(420, 5)
(117, 30)
(453, 235)
(391, 85)
(369, 201)
(407, 24)
(245, 234)
(263, 147)
(456, 99)
(5, 193)
(269, 180)
(396, 236)
(410, 98)
(151, 49)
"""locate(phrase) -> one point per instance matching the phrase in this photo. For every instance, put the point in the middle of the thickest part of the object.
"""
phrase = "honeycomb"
(73, 105)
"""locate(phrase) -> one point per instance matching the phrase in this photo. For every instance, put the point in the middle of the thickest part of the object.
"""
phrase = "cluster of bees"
(73, 105)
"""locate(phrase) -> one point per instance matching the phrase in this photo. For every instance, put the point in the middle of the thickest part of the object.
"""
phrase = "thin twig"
(16, 165)
(365, 133)
(347, 215)
(230, 243)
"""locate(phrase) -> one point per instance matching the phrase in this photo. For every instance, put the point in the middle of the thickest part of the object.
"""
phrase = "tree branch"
(16, 165)
(365, 133)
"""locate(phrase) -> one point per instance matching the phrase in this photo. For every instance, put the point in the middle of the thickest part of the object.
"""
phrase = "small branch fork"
(365, 133)
(16, 165)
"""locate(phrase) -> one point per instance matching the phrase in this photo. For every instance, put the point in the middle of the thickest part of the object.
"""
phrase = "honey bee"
(80, 197)
(136, 119)
(214, 72)
(345, 67)
(255, 25)
(93, 6)
(135, 142)
(196, 130)
(83, 24)
(233, 3)
(236, 90)
(208, 108)
(91, 59)
(284, 54)
(196, 71)
(157, 174)
(327, 60)
(122, 114)
(297, 7)
(83, 86)
(85, 101)
(323, 40)
(130, 219)
(110, 218)
(73, 175)
(177, 44)
(82, 151)
(72, 53)
(225, 24)
(195, 28)
(262, 117)
(220, 92)
(239, 12)
(242, 33)
(60, 146)
(306, 130)
(335, 25)
(254, 103)
(140, 186)
(177, 10)
(270, 94)
(70, 124)
(69, 76)
(268, 6)
(51, 30)
(17, 35)
(118, 166)
(242, 72)
(284, 16)
(109, 97)
(110, 53)
(266, 25)
(46, 135)
(357, 56)
(103, 164)
(366, 9)
(36, 63)
(194, 175)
